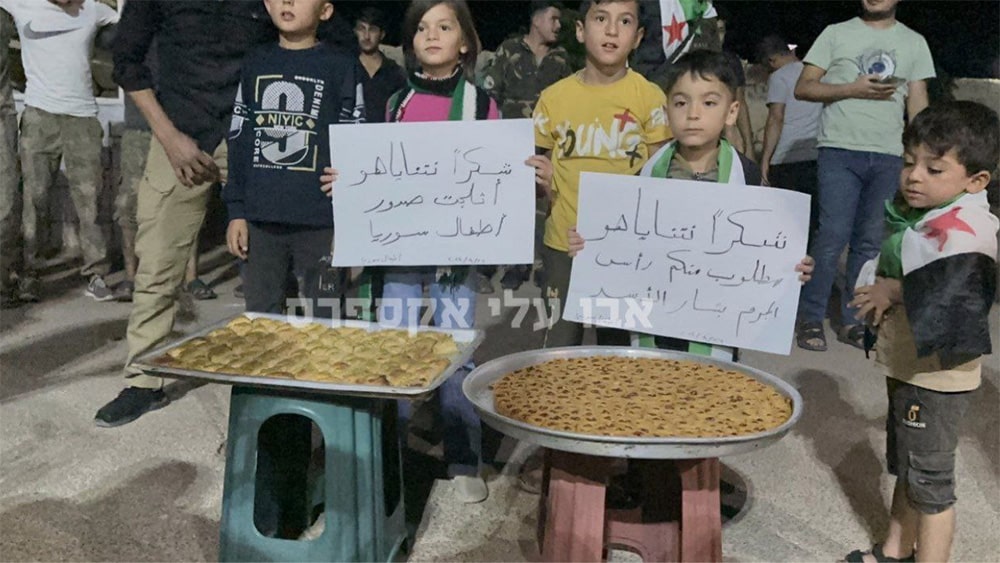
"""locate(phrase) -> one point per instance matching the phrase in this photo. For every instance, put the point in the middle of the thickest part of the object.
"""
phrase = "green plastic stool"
(362, 464)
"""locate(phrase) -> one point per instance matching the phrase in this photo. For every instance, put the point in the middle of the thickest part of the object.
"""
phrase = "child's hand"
(576, 242)
(543, 173)
(876, 299)
(238, 238)
(805, 269)
(329, 176)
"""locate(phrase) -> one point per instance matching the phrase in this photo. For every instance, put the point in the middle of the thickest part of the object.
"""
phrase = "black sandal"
(858, 556)
(200, 290)
(853, 335)
(808, 333)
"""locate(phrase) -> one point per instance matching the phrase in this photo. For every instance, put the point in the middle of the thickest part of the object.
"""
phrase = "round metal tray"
(477, 388)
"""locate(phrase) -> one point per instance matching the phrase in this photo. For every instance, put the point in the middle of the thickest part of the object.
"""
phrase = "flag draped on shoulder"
(947, 259)
(677, 18)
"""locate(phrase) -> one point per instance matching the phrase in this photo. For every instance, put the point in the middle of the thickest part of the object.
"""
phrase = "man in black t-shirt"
(382, 76)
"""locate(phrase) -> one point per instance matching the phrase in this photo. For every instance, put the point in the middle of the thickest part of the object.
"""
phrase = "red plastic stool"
(678, 519)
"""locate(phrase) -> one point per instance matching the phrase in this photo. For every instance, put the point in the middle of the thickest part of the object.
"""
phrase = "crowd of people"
(850, 125)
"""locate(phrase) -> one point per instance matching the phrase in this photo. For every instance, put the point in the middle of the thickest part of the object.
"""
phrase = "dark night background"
(964, 36)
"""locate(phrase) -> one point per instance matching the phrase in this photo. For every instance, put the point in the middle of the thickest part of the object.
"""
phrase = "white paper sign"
(695, 260)
(431, 194)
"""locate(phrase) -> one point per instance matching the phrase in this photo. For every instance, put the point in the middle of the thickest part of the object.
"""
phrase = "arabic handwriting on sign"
(474, 230)
(637, 264)
(683, 233)
(385, 239)
(469, 166)
(660, 296)
(717, 308)
(382, 206)
(635, 224)
(680, 265)
(753, 315)
(779, 241)
(379, 167)
(473, 197)
(604, 293)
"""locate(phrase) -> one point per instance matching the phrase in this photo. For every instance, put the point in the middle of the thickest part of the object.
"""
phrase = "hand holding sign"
(694, 260)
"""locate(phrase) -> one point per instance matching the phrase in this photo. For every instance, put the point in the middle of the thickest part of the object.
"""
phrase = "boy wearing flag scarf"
(929, 293)
(701, 102)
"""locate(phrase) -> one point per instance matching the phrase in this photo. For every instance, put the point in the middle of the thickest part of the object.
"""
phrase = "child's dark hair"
(971, 129)
(411, 22)
(703, 64)
(371, 16)
(585, 6)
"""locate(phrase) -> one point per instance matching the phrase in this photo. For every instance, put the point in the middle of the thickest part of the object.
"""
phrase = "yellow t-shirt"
(595, 128)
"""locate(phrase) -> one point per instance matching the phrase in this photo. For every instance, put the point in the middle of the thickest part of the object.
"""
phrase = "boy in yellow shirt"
(604, 118)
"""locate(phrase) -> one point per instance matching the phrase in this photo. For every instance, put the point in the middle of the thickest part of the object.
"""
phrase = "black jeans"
(285, 442)
(274, 249)
(800, 177)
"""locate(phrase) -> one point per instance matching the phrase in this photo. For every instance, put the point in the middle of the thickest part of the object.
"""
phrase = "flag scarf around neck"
(468, 103)
(948, 261)
(676, 18)
(730, 172)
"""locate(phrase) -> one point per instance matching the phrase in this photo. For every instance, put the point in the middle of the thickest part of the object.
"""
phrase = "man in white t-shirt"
(789, 158)
(59, 123)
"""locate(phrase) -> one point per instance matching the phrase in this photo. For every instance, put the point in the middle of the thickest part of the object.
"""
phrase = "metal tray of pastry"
(478, 388)
(467, 341)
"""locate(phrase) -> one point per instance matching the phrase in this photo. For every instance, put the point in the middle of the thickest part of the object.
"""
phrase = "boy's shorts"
(922, 428)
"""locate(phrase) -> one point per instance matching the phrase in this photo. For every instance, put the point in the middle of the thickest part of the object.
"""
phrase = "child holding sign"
(936, 279)
(439, 36)
(701, 102)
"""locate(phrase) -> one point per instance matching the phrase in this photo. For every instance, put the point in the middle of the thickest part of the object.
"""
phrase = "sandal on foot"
(200, 290)
(810, 336)
(858, 556)
(853, 335)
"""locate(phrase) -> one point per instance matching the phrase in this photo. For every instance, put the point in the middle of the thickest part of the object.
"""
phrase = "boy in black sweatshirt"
(278, 146)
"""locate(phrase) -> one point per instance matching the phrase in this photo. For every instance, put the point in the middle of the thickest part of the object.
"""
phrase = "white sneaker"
(470, 489)
(316, 530)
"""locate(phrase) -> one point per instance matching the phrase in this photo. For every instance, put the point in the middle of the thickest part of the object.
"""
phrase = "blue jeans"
(452, 307)
(853, 189)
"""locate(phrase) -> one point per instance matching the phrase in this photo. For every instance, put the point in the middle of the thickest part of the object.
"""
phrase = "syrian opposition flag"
(949, 260)
(676, 17)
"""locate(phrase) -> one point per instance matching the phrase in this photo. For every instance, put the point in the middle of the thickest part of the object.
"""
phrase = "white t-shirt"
(56, 45)
(801, 124)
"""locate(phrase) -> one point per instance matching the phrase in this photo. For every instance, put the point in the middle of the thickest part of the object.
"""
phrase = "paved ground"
(151, 490)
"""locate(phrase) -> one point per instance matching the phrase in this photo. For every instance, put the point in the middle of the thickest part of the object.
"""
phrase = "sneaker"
(484, 284)
(470, 489)
(123, 291)
(98, 290)
(29, 289)
(129, 405)
(316, 530)
(238, 292)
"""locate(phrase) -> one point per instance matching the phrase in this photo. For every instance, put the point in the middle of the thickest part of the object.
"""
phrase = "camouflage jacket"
(515, 81)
